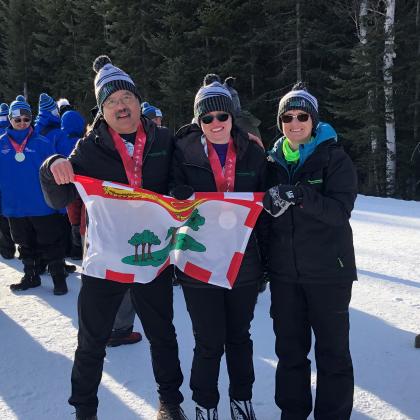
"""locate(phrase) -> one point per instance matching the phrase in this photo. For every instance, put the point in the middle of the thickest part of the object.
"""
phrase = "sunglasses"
(222, 117)
(19, 120)
(289, 118)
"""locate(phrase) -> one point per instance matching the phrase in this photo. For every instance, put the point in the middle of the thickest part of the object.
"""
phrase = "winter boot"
(241, 410)
(30, 279)
(8, 253)
(417, 342)
(169, 411)
(202, 413)
(58, 274)
(81, 417)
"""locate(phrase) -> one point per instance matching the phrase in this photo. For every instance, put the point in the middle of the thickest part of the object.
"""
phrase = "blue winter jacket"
(49, 126)
(21, 194)
(73, 127)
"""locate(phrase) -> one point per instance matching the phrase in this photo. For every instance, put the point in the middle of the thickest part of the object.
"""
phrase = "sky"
(39, 336)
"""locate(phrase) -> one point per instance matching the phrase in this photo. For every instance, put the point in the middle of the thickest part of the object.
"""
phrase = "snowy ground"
(39, 336)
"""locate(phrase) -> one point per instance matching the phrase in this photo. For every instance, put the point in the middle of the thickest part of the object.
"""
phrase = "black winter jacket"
(313, 242)
(96, 156)
(191, 167)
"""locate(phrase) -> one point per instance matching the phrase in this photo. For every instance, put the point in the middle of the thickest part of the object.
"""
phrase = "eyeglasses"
(286, 119)
(222, 117)
(125, 100)
(19, 120)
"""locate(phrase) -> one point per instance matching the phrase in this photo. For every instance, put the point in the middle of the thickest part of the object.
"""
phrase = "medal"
(20, 157)
(19, 148)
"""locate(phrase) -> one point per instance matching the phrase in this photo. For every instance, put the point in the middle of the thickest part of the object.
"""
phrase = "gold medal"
(19, 157)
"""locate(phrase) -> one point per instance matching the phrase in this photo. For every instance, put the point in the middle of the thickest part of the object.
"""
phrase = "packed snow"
(39, 332)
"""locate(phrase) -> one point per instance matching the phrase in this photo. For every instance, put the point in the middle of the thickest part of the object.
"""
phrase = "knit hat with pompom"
(110, 79)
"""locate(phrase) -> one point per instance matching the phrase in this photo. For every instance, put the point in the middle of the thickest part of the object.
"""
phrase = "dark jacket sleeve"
(177, 176)
(334, 205)
(56, 196)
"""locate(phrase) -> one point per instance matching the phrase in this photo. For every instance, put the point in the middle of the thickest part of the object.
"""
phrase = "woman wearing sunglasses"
(35, 227)
(214, 155)
(311, 260)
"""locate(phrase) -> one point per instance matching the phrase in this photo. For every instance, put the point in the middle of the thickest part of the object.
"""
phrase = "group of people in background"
(302, 242)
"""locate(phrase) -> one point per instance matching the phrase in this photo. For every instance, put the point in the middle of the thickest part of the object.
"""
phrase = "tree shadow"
(392, 279)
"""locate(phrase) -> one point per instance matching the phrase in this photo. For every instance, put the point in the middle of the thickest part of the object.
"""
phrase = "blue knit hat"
(47, 104)
(110, 79)
(150, 111)
(4, 112)
(19, 107)
(213, 97)
(299, 98)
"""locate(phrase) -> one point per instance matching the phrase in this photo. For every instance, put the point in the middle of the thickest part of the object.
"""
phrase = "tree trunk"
(149, 251)
(136, 253)
(143, 247)
(388, 67)
(298, 44)
(363, 37)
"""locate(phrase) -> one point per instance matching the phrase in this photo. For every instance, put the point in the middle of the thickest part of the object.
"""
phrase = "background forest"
(360, 58)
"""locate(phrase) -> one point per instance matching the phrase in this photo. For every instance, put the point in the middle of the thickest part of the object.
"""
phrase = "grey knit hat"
(299, 98)
(213, 97)
(110, 79)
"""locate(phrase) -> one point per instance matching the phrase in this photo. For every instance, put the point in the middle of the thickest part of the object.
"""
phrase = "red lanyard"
(19, 148)
(133, 165)
(224, 177)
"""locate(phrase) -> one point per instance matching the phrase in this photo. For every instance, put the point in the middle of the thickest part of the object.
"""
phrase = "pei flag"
(134, 234)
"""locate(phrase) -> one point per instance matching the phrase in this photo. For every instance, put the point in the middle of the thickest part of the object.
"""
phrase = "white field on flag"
(133, 239)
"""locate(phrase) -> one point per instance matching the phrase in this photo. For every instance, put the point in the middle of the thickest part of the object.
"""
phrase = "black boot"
(30, 279)
(81, 417)
(58, 275)
(202, 413)
(241, 410)
(8, 253)
(417, 342)
(169, 411)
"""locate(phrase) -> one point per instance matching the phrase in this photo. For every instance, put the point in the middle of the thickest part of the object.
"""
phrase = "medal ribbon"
(19, 148)
(224, 177)
(133, 165)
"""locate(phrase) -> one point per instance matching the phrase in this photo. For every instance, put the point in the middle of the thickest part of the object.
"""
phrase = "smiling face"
(217, 131)
(296, 131)
(21, 122)
(121, 111)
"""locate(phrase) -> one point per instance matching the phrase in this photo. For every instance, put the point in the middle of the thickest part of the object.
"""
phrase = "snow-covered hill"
(38, 336)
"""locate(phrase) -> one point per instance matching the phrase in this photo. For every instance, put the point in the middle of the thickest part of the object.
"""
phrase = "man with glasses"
(122, 147)
(35, 227)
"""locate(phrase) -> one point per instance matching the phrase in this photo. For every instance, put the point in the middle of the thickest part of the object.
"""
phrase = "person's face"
(216, 126)
(21, 122)
(121, 111)
(157, 121)
(297, 131)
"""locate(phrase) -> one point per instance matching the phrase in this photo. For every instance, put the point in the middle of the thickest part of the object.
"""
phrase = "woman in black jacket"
(221, 318)
(311, 260)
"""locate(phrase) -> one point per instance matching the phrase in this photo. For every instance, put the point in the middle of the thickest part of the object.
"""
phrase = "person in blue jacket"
(7, 246)
(48, 121)
(35, 227)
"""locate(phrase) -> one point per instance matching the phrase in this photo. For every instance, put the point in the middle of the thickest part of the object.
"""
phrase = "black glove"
(280, 197)
(182, 192)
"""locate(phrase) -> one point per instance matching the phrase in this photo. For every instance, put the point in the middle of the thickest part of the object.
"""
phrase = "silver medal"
(20, 157)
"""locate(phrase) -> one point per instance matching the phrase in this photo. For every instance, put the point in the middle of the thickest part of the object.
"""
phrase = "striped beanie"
(213, 97)
(19, 107)
(299, 98)
(4, 112)
(47, 104)
(150, 111)
(110, 79)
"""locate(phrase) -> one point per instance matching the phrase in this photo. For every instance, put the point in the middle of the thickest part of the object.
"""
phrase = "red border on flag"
(166, 264)
(197, 272)
(235, 265)
(119, 277)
